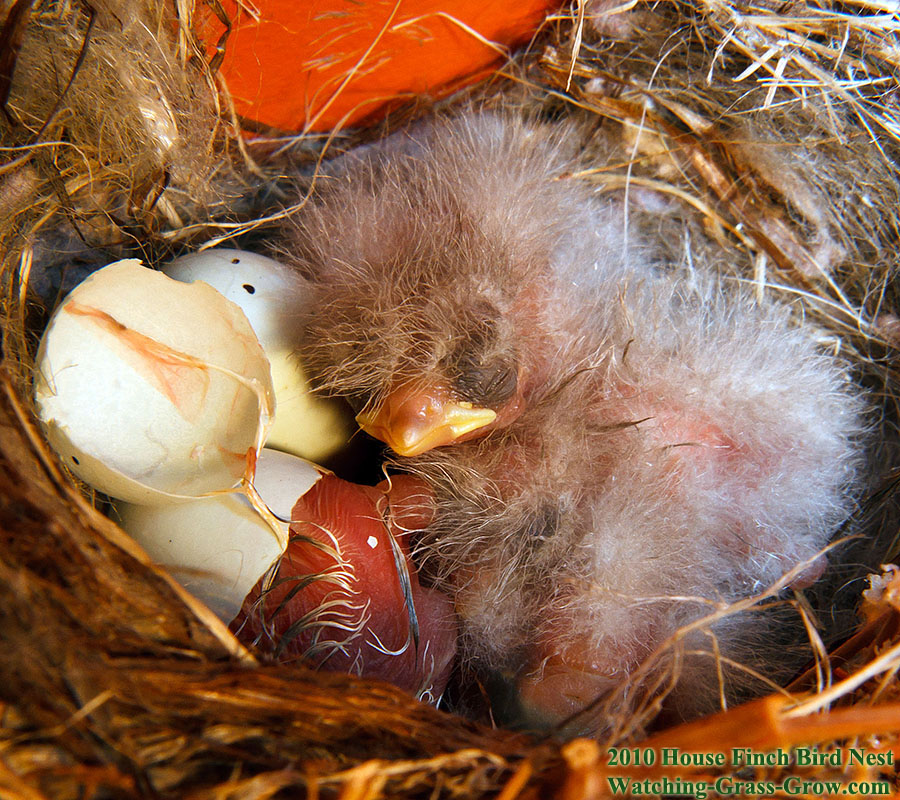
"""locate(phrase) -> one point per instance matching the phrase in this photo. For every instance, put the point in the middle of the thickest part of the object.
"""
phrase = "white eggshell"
(219, 547)
(267, 291)
(272, 296)
(152, 389)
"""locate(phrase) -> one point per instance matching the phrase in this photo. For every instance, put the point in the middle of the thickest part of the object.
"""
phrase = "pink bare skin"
(350, 613)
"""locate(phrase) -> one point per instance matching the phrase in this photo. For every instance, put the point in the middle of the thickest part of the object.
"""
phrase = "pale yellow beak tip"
(463, 419)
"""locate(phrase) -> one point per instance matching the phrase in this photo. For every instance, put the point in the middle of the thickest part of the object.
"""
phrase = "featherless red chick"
(614, 451)
(346, 596)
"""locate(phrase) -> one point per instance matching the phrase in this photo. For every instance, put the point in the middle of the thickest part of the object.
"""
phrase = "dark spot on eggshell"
(249, 288)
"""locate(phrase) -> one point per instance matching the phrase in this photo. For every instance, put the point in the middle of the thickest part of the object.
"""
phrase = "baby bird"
(613, 453)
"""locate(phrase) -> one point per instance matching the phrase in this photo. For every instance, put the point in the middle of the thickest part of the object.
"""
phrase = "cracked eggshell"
(272, 296)
(219, 547)
(151, 389)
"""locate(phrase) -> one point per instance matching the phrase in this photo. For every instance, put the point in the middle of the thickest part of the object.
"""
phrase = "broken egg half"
(152, 390)
(272, 297)
(219, 547)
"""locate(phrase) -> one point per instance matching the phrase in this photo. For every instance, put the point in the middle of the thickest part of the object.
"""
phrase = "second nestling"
(612, 452)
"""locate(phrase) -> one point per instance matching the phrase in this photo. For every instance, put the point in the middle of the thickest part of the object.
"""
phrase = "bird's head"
(436, 307)
(429, 346)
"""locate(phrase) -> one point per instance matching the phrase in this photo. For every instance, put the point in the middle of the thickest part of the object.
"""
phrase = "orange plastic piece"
(325, 64)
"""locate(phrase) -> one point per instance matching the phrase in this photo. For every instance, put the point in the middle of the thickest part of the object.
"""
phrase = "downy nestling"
(612, 450)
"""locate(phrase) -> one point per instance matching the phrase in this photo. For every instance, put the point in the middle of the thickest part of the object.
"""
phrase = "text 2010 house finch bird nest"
(752, 142)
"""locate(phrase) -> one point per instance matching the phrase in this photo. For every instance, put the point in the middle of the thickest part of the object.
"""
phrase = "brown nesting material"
(760, 139)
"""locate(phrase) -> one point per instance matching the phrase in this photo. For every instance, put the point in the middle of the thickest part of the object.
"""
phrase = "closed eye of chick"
(611, 451)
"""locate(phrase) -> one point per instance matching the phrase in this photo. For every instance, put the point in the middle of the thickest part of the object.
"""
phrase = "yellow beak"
(413, 420)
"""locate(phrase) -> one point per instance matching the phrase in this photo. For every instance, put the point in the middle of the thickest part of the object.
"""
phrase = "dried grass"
(769, 133)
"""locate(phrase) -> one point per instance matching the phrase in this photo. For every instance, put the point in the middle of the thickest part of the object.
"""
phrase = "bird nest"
(765, 136)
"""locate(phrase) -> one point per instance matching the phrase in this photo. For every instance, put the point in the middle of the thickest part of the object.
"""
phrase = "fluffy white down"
(681, 445)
